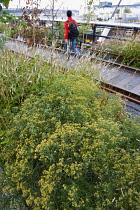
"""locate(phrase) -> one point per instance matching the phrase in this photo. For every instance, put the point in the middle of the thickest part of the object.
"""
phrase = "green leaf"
(5, 1)
(5, 141)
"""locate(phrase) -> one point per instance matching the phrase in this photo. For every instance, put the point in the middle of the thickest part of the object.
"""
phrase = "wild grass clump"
(4, 32)
(21, 77)
(129, 49)
(71, 147)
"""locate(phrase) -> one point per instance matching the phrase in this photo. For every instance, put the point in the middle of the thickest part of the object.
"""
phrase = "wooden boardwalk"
(129, 81)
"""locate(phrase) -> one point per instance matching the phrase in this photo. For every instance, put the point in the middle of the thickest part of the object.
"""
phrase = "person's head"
(69, 13)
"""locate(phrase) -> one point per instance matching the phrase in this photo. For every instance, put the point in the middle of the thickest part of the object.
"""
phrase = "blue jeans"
(72, 43)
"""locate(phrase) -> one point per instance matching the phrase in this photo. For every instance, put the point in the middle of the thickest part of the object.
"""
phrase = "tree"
(118, 11)
(5, 3)
(51, 17)
(31, 17)
(127, 10)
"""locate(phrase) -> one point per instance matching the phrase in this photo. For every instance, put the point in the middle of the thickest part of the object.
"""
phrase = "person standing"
(70, 37)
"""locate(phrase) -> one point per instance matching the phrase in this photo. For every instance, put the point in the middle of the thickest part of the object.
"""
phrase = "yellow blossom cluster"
(70, 149)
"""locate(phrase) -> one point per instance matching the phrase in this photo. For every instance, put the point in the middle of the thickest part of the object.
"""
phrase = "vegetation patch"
(71, 147)
(21, 77)
(128, 51)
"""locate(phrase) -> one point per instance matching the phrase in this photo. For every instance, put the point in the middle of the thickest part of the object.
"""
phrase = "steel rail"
(109, 61)
(132, 69)
(111, 53)
(91, 49)
(124, 93)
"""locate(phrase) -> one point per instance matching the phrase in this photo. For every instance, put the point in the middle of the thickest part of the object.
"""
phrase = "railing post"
(94, 32)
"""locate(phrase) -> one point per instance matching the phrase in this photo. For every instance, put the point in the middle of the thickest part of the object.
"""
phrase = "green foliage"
(31, 16)
(5, 3)
(20, 77)
(129, 49)
(6, 17)
(72, 148)
(127, 10)
(60, 27)
(2, 41)
(4, 28)
(118, 11)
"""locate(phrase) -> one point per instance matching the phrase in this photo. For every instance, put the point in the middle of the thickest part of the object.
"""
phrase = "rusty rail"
(124, 93)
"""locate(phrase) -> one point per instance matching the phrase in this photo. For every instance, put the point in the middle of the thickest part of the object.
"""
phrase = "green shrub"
(128, 50)
(70, 149)
(131, 50)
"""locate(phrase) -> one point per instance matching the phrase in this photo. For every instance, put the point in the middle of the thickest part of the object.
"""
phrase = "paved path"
(115, 76)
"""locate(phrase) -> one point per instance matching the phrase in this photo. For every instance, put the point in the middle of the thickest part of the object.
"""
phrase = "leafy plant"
(69, 148)
(20, 77)
(127, 10)
(5, 3)
(2, 41)
(130, 51)
(60, 27)
(118, 11)
(31, 17)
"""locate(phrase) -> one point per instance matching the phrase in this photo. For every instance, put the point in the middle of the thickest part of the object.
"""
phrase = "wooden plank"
(136, 90)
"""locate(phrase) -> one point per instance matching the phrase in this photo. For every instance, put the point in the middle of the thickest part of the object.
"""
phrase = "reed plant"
(21, 76)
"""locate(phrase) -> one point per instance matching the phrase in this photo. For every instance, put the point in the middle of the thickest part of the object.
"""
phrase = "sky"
(66, 4)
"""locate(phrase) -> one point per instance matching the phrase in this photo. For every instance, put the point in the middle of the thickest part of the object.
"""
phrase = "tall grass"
(23, 76)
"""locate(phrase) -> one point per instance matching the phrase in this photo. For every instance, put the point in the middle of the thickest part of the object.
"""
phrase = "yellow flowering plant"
(70, 149)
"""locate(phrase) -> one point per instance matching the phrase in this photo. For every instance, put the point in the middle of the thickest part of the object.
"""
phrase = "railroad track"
(124, 80)
(98, 52)
(92, 57)
(125, 94)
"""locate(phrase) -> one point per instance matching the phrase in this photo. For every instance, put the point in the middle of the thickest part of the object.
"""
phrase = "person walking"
(71, 33)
